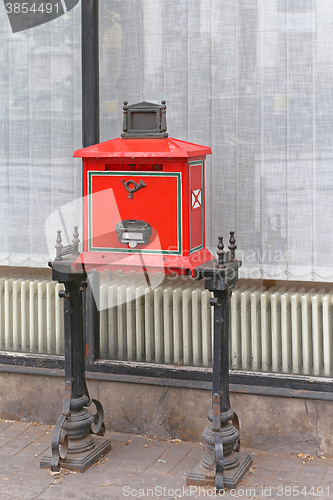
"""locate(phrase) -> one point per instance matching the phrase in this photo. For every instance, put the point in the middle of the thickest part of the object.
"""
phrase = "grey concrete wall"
(293, 425)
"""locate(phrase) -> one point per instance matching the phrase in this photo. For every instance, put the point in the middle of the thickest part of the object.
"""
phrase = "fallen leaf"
(305, 457)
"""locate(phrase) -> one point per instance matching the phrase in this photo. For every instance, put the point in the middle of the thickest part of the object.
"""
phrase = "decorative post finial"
(232, 245)
(75, 240)
(58, 246)
(220, 252)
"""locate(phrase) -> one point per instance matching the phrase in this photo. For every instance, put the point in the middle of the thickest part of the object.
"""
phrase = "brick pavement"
(141, 467)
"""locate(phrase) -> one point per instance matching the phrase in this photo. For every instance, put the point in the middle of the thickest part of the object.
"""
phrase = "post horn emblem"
(136, 187)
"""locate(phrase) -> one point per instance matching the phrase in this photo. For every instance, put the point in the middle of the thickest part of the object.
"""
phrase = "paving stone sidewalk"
(142, 467)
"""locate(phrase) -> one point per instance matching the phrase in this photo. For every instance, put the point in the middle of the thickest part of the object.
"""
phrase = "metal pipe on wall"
(90, 72)
(90, 135)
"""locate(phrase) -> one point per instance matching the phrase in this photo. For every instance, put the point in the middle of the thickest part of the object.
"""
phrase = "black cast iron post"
(73, 446)
(90, 136)
(90, 72)
(221, 465)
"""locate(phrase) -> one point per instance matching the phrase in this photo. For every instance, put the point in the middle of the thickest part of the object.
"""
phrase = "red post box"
(144, 198)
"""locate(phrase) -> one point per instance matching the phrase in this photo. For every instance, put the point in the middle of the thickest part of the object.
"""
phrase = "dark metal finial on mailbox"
(125, 116)
(163, 116)
(220, 252)
(232, 245)
(144, 120)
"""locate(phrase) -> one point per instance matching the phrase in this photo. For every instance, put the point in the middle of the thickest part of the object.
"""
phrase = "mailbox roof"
(143, 148)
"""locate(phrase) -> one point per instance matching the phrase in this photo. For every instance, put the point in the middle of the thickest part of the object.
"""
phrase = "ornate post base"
(73, 446)
(221, 466)
(235, 464)
(231, 477)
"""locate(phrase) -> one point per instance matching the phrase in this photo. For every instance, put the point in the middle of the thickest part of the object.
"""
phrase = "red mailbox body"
(144, 203)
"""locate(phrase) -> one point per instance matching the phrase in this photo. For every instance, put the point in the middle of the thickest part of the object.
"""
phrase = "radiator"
(282, 331)
(171, 323)
(31, 316)
(274, 330)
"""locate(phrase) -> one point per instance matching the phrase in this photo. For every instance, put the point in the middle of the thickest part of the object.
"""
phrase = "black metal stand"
(221, 466)
(73, 446)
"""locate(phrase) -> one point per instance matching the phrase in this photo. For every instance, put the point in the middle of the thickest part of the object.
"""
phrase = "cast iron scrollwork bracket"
(216, 408)
(60, 438)
(98, 427)
(59, 447)
(218, 442)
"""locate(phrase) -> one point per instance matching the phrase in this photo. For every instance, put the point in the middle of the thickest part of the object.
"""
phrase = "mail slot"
(133, 232)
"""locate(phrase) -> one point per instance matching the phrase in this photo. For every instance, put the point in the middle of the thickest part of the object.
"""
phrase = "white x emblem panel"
(196, 198)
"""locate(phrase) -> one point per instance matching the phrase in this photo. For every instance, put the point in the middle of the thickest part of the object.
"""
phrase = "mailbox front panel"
(134, 211)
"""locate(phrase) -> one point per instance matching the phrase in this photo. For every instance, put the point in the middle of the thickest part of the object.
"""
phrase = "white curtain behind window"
(40, 126)
(253, 80)
(250, 78)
